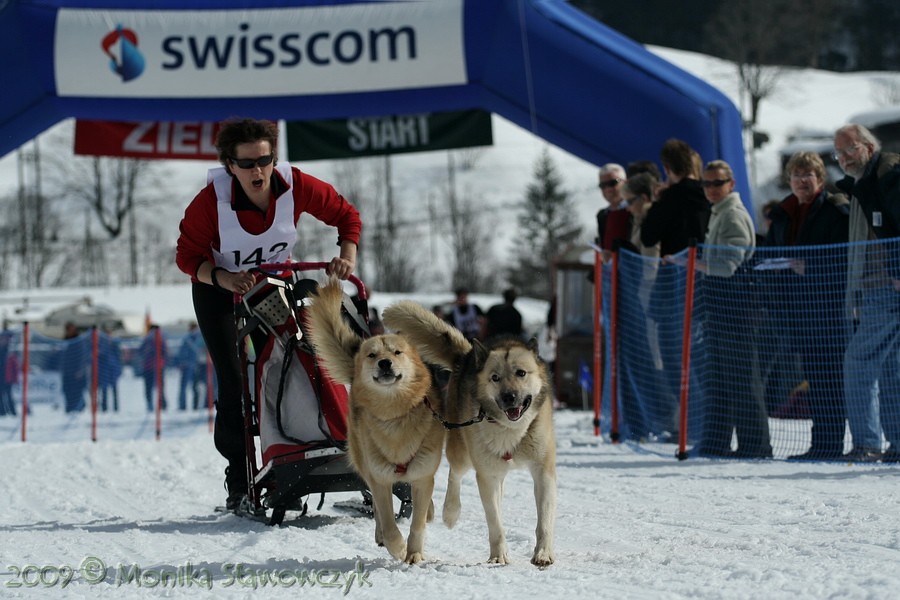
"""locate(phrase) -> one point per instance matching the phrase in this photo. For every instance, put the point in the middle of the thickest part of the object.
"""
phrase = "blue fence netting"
(796, 353)
(61, 373)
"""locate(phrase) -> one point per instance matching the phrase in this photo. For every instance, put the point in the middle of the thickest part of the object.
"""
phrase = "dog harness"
(507, 456)
(447, 424)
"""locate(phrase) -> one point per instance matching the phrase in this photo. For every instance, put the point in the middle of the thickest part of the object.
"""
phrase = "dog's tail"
(333, 340)
(437, 341)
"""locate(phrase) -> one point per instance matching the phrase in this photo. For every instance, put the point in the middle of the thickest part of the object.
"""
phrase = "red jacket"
(200, 228)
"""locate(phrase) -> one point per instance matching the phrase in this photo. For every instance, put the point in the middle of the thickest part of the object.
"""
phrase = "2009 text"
(93, 571)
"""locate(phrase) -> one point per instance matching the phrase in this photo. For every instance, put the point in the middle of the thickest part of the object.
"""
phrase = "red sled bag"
(301, 406)
(295, 416)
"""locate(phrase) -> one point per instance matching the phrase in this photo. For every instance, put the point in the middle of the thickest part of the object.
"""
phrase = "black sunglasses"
(249, 163)
(610, 183)
(714, 182)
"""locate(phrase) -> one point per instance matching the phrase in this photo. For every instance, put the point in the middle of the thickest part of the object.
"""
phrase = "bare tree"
(392, 253)
(36, 221)
(93, 260)
(468, 158)
(8, 250)
(759, 35)
(112, 189)
(159, 252)
(749, 33)
(470, 237)
(349, 182)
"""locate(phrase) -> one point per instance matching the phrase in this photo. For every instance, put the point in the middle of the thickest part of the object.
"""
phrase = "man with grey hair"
(871, 378)
(614, 221)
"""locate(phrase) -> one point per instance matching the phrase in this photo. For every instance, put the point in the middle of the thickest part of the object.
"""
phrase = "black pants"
(812, 321)
(734, 403)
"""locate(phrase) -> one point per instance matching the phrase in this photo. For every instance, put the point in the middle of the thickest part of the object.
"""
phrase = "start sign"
(147, 139)
(375, 136)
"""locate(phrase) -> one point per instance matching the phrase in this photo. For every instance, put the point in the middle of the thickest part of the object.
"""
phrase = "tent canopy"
(539, 63)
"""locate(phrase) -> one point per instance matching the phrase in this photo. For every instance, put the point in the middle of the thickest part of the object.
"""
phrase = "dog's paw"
(414, 557)
(500, 559)
(542, 557)
(397, 550)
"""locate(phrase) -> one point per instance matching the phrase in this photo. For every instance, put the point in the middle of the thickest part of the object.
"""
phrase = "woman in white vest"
(247, 216)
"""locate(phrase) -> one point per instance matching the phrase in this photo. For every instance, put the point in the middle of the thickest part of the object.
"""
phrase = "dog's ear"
(533, 345)
(479, 353)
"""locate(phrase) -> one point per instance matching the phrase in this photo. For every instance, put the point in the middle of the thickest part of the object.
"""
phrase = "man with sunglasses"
(871, 378)
(614, 221)
(247, 216)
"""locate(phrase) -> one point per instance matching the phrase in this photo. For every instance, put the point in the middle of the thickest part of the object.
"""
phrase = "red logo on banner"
(147, 139)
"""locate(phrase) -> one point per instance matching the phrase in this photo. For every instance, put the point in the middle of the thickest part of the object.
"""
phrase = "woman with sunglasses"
(732, 403)
(247, 216)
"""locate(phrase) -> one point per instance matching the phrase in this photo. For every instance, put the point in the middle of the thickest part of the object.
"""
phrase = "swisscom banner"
(374, 46)
(373, 136)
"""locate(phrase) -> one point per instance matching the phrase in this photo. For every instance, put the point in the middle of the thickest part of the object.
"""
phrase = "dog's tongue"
(514, 414)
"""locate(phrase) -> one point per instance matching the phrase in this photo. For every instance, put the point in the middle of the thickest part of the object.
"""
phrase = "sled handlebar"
(315, 266)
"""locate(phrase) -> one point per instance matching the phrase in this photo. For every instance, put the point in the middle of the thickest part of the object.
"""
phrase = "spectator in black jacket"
(870, 364)
(809, 295)
(505, 319)
(679, 213)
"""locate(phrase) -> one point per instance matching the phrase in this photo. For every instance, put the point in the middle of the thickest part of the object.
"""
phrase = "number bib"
(240, 250)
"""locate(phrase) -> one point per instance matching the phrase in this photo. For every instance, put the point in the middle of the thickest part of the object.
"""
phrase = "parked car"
(85, 314)
(885, 124)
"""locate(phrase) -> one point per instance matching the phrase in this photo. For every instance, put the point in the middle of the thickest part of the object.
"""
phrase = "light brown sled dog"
(391, 433)
(499, 411)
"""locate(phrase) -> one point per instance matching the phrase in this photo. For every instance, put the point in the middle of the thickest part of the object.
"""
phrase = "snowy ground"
(118, 514)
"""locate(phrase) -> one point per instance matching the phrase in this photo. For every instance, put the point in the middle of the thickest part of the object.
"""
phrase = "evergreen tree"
(547, 223)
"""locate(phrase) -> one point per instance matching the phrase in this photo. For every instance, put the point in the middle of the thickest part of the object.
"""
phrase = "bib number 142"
(256, 258)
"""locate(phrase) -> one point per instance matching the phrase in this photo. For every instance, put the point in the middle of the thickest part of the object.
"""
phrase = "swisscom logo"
(125, 60)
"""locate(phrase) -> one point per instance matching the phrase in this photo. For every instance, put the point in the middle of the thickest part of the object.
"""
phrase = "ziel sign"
(375, 136)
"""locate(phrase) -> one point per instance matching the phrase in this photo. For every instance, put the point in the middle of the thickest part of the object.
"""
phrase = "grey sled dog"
(500, 415)
(391, 432)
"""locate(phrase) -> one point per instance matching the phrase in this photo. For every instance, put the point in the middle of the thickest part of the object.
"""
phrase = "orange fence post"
(159, 380)
(686, 351)
(613, 348)
(598, 338)
(95, 376)
(25, 367)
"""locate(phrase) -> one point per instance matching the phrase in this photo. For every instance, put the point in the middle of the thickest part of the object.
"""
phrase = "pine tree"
(546, 224)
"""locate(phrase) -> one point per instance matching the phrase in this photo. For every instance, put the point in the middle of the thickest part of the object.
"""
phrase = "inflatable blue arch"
(539, 63)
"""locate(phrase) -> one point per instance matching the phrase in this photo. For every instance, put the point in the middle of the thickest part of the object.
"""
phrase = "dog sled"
(295, 417)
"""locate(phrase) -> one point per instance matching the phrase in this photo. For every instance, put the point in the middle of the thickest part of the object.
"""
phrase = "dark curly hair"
(677, 155)
(236, 131)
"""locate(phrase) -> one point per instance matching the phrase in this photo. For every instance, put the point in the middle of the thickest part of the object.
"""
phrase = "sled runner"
(295, 417)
